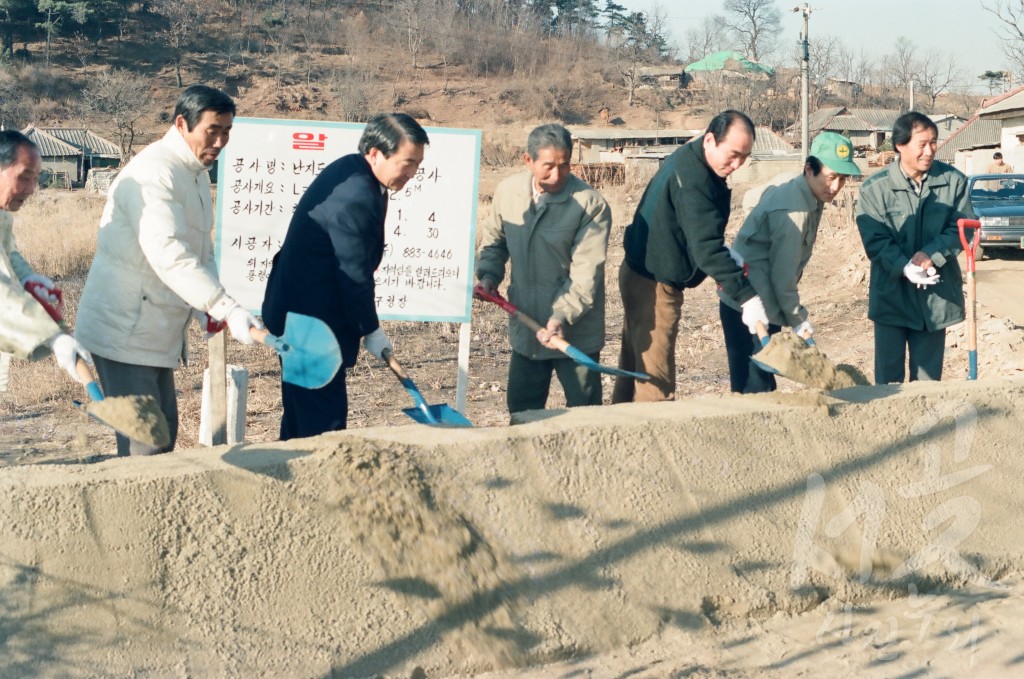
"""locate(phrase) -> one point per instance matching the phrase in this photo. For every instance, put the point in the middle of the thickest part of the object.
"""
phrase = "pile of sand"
(137, 417)
(571, 540)
(801, 362)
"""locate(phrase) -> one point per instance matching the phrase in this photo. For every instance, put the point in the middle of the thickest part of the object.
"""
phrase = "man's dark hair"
(386, 132)
(720, 124)
(10, 141)
(550, 136)
(814, 165)
(903, 128)
(997, 155)
(198, 98)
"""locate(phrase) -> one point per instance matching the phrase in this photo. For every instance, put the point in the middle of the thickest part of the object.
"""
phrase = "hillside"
(333, 65)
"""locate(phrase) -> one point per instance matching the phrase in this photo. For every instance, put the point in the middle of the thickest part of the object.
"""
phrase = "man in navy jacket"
(326, 265)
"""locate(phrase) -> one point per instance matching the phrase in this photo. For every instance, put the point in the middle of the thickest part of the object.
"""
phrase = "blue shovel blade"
(442, 413)
(310, 356)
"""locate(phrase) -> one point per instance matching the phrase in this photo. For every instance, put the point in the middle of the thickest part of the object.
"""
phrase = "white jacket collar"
(177, 144)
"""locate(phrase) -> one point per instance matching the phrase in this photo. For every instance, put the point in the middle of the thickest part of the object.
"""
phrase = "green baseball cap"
(836, 152)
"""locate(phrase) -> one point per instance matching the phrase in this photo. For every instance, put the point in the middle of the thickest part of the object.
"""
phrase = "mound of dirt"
(137, 417)
(417, 551)
(801, 362)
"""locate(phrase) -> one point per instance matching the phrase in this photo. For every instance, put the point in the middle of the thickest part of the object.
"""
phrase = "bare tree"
(898, 70)
(937, 74)
(756, 23)
(824, 65)
(184, 17)
(412, 15)
(442, 27)
(710, 36)
(1010, 14)
(122, 97)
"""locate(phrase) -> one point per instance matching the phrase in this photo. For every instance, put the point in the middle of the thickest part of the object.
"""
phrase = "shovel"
(437, 414)
(764, 337)
(137, 417)
(800, 360)
(558, 342)
(971, 252)
(310, 356)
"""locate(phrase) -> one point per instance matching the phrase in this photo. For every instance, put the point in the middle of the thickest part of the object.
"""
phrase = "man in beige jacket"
(554, 228)
(773, 246)
(26, 329)
(154, 266)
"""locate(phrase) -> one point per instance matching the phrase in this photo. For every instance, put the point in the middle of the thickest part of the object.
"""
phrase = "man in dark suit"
(326, 265)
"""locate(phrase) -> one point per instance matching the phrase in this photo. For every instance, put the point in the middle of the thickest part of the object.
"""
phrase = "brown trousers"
(651, 313)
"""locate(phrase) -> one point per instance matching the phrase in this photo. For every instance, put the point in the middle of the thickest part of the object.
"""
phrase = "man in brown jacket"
(554, 228)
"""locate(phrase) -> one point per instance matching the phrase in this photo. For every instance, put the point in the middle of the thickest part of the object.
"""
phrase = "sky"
(961, 28)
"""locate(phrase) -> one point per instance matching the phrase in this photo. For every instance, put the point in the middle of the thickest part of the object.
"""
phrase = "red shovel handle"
(496, 298)
(970, 248)
(513, 310)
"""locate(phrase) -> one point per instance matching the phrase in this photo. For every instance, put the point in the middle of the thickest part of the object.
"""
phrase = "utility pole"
(805, 67)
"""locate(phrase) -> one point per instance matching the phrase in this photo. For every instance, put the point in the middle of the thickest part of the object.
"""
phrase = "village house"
(70, 154)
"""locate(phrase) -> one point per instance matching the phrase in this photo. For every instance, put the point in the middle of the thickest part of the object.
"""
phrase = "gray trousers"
(125, 379)
(529, 382)
(892, 343)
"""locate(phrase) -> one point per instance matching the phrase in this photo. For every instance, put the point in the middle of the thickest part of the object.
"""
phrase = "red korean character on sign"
(307, 141)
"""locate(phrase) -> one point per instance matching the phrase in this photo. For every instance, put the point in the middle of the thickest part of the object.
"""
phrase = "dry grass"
(56, 231)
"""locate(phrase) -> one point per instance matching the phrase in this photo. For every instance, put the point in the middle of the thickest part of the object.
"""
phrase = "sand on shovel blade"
(137, 417)
(797, 361)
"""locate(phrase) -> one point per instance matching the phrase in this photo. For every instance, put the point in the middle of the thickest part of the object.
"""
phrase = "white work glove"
(66, 350)
(753, 312)
(919, 276)
(736, 257)
(239, 321)
(804, 330)
(49, 295)
(377, 342)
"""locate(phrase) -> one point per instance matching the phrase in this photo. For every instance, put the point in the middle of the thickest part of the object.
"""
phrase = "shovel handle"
(410, 386)
(762, 333)
(81, 367)
(970, 249)
(556, 341)
(396, 367)
(86, 378)
(263, 336)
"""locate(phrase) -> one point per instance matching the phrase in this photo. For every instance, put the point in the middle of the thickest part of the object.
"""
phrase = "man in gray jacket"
(907, 216)
(773, 246)
(154, 267)
(26, 329)
(554, 227)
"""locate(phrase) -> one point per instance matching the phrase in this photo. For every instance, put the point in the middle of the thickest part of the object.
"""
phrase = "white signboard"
(430, 233)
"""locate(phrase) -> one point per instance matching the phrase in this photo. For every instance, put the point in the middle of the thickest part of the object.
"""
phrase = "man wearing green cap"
(773, 246)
